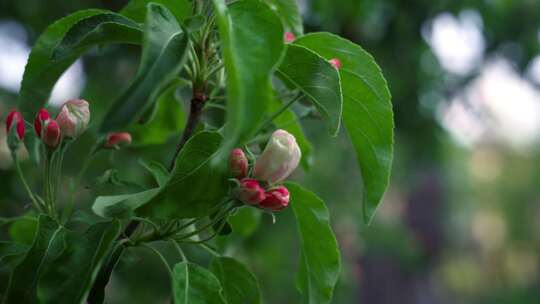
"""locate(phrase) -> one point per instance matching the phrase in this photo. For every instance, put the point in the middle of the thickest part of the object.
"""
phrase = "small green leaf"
(289, 13)
(69, 277)
(193, 284)
(367, 112)
(42, 72)
(48, 244)
(122, 206)
(288, 120)
(320, 260)
(165, 47)
(159, 172)
(195, 185)
(239, 284)
(94, 30)
(250, 58)
(23, 230)
(317, 79)
(136, 9)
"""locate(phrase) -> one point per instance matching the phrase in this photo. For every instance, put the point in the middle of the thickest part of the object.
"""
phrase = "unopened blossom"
(276, 199)
(15, 119)
(74, 117)
(249, 191)
(335, 62)
(238, 163)
(51, 134)
(42, 117)
(117, 140)
(279, 159)
(289, 37)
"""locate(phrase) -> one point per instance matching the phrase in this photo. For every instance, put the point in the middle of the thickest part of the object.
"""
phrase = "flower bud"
(117, 140)
(238, 163)
(249, 191)
(74, 117)
(15, 118)
(276, 199)
(335, 62)
(279, 159)
(289, 37)
(51, 134)
(41, 118)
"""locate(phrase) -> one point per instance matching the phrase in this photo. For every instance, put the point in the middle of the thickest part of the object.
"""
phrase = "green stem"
(35, 203)
(209, 249)
(179, 249)
(219, 217)
(48, 186)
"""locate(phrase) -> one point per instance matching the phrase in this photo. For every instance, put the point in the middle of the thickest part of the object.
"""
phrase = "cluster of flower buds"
(278, 160)
(71, 122)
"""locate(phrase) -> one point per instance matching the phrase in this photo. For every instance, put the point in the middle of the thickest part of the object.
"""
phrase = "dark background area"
(460, 221)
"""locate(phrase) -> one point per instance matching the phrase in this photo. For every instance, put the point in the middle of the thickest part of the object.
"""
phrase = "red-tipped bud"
(249, 192)
(117, 140)
(41, 119)
(238, 163)
(335, 62)
(289, 37)
(15, 118)
(276, 199)
(74, 117)
(51, 134)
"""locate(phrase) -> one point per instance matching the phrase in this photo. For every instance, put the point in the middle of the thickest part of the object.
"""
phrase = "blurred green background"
(460, 221)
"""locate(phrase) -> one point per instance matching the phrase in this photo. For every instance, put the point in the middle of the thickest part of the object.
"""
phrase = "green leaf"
(289, 13)
(11, 254)
(367, 112)
(192, 284)
(23, 230)
(252, 45)
(42, 72)
(122, 206)
(158, 171)
(169, 119)
(195, 185)
(320, 261)
(136, 9)
(239, 284)
(98, 29)
(164, 50)
(245, 221)
(288, 120)
(317, 79)
(48, 245)
(61, 265)
(69, 277)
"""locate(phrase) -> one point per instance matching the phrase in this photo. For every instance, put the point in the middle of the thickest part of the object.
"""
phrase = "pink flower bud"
(289, 37)
(15, 118)
(74, 117)
(51, 134)
(117, 140)
(335, 62)
(276, 199)
(249, 191)
(238, 163)
(41, 118)
(279, 159)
